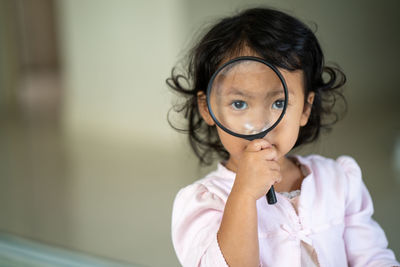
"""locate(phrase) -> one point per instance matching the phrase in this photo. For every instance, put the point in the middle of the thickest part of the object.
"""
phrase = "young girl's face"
(283, 137)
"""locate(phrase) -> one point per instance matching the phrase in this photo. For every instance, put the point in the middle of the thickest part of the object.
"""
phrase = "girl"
(323, 213)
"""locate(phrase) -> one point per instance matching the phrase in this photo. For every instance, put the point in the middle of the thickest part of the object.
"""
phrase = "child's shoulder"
(343, 163)
(339, 172)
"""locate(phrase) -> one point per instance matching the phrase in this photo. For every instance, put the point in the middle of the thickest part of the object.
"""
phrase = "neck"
(292, 176)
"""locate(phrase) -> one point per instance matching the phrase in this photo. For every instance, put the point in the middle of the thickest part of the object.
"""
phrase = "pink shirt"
(334, 218)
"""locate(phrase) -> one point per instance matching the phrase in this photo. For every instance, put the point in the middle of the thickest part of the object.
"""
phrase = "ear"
(307, 109)
(203, 108)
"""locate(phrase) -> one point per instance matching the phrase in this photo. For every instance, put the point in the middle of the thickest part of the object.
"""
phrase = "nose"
(259, 123)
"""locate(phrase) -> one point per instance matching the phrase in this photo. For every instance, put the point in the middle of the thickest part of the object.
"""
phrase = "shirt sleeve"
(366, 243)
(196, 217)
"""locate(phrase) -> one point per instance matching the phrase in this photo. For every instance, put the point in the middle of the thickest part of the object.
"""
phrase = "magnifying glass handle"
(271, 197)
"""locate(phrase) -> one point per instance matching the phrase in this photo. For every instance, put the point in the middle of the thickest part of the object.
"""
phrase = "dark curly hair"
(279, 38)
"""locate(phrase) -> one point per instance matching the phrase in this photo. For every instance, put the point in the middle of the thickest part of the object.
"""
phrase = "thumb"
(257, 145)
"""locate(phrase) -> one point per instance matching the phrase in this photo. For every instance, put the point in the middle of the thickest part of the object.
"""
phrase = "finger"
(274, 166)
(269, 153)
(257, 145)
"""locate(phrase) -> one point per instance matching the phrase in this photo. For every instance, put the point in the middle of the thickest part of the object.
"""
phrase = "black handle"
(271, 197)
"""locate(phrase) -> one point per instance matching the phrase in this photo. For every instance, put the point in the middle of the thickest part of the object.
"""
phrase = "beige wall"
(102, 180)
(116, 58)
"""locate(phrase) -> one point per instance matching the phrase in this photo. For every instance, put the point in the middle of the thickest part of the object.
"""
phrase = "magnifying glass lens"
(247, 97)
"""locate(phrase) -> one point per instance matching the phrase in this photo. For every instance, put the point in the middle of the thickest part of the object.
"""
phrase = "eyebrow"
(280, 91)
(240, 92)
(275, 93)
(244, 93)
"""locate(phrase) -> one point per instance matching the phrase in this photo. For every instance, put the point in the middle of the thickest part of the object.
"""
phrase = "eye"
(239, 105)
(278, 104)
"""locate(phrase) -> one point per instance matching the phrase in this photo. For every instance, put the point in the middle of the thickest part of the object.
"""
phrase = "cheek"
(286, 133)
(291, 120)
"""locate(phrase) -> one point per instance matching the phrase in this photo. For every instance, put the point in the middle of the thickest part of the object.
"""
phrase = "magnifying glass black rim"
(247, 136)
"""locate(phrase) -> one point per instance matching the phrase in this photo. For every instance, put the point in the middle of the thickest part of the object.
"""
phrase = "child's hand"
(258, 169)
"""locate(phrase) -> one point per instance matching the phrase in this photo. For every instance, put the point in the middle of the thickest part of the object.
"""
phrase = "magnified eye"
(278, 104)
(239, 105)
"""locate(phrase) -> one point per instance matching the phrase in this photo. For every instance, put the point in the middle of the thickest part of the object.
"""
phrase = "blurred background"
(88, 162)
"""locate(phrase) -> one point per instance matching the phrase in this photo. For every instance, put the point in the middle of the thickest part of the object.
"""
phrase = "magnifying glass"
(247, 98)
